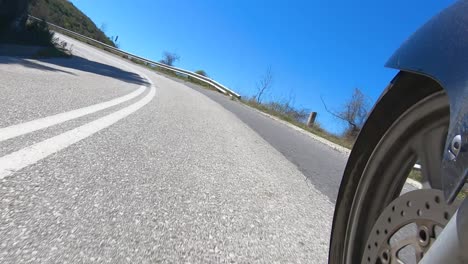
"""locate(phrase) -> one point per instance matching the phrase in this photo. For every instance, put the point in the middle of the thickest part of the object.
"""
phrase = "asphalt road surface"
(321, 164)
(105, 161)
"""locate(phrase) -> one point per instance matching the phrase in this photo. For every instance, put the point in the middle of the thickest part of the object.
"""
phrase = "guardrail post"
(311, 120)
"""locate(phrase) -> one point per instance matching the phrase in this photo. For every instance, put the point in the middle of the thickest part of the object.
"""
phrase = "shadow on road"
(77, 63)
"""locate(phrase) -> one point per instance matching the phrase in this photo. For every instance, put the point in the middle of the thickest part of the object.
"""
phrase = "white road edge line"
(41, 123)
(22, 158)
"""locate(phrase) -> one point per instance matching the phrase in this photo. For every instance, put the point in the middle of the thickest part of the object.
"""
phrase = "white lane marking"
(41, 123)
(27, 156)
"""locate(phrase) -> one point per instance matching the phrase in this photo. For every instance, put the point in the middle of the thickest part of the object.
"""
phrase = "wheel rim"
(410, 222)
(418, 134)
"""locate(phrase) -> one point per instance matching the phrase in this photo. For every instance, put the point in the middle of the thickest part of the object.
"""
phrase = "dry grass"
(415, 175)
(316, 129)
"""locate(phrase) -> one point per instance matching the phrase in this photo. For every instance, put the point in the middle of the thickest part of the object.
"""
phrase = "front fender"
(439, 50)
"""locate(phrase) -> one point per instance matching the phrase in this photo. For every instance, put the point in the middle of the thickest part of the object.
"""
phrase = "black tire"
(369, 184)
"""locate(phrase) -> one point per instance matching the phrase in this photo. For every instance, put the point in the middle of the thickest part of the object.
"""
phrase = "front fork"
(452, 244)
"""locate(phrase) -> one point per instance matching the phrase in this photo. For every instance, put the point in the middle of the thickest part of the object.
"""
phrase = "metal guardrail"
(199, 77)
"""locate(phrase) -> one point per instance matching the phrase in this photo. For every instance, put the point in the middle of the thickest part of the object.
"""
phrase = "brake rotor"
(425, 208)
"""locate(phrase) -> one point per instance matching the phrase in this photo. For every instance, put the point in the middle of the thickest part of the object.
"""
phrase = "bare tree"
(264, 84)
(169, 58)
(103, 27)
(291, 97)
(354, 112)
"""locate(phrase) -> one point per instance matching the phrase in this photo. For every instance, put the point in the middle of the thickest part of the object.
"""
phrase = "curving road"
(105, 161)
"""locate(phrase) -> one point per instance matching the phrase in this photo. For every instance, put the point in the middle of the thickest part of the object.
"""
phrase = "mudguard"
(439, 50)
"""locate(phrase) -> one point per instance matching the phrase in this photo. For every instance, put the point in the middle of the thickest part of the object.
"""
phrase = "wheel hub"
(410, 221)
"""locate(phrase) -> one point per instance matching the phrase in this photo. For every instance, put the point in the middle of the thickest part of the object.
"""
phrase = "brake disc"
(424, 209)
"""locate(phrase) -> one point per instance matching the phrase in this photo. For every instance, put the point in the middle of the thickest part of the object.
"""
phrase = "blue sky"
(315, 48)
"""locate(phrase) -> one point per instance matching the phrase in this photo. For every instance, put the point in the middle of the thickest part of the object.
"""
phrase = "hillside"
(63, 13)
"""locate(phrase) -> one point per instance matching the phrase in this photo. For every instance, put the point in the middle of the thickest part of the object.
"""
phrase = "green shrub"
(35, 33)
(201, 72)
(38, 34)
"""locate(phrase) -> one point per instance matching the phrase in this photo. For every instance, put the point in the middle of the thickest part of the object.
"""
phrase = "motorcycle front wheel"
(380, 217)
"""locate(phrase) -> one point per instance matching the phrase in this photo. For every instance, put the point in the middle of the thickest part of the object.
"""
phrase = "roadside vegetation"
(65, 14)
(169, 58)
(295, 116)
(35, 33)
(352, 114)
(56, 50)
(15, 29)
